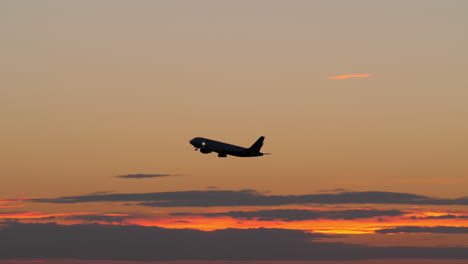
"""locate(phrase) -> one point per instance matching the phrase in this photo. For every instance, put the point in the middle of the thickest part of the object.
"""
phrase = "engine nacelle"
(205, 150)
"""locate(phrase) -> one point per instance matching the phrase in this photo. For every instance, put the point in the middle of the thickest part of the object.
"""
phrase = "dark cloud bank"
(101, 218)
(425, 229)
(93, 241)
(447, 216)
(300, 214)
(210, 198)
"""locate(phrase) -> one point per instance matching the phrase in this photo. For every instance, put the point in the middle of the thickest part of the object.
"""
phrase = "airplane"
(223, 149)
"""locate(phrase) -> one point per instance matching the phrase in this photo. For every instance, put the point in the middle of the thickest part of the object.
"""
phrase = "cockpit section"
(198, 142)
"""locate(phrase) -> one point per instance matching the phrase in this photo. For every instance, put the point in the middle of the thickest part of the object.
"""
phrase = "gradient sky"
(360, 100)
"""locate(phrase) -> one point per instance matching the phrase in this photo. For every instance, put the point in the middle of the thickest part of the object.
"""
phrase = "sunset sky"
(363, 105)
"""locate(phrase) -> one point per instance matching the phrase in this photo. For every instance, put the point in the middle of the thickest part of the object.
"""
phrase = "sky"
(363, 105)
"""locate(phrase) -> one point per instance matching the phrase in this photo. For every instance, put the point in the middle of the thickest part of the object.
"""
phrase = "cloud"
(447, 216)
(16, 200)
(102, 192)
(335, 190)
(116, 242)
(400, 181)
(209, 198)
(143, 176)
(299, 214)
(87, 217)
(36, 215)
(106, 218)
(341, 77)
(425, 229)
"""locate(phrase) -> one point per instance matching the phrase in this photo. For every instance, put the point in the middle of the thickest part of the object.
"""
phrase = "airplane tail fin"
(257, 145)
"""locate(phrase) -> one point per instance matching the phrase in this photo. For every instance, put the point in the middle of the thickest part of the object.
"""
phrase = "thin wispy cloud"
(37, 215)
(16, 200)
(10, 206)
(144, 176)
(342, 77)
(84, 217)
(400, 181)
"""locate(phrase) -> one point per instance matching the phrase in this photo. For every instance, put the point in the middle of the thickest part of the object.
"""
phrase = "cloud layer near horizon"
(425, 229)
(93, 241)
(211, 198)
(300, 214)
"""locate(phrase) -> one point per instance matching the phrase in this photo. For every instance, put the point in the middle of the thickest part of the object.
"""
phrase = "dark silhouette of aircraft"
(223, 149)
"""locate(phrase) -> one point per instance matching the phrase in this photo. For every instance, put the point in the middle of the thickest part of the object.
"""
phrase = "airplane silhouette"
(223, 149)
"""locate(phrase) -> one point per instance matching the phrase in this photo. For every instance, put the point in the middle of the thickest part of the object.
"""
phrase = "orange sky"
(351, 97)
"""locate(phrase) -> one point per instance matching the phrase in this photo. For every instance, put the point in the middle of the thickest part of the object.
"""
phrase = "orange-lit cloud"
(6, 203)
(341, 77)
(318, 226)
(36, 215)
(17, 200)
(209, 221)
(330, 219)
(9, 206)
(328, 226)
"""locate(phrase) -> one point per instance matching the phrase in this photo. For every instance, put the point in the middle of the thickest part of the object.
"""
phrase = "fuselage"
(223, 149)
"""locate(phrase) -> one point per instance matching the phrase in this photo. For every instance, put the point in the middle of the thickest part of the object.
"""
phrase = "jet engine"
(205, 150)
